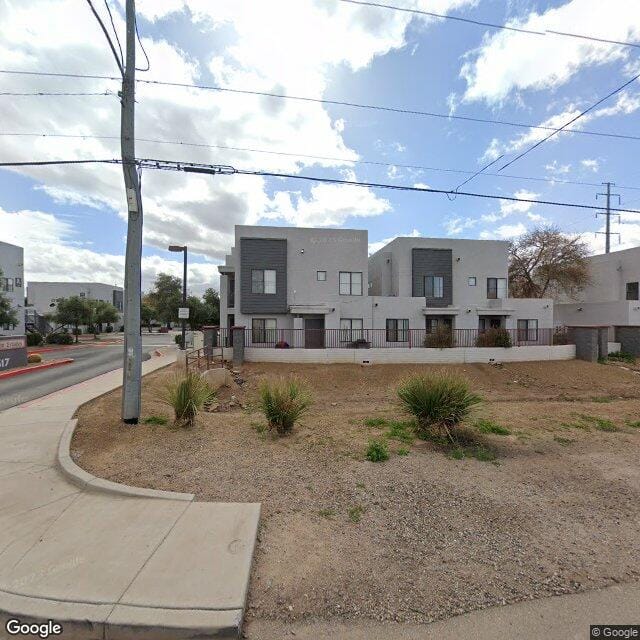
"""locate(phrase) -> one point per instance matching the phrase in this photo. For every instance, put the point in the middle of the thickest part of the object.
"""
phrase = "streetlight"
(176, 248)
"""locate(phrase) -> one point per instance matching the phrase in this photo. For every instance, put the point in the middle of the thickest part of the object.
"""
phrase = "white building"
(44, 296)
(612, 298)
(281, 278)
(12, 284)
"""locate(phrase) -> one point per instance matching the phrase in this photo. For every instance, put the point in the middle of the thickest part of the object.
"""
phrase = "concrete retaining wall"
(414, 356)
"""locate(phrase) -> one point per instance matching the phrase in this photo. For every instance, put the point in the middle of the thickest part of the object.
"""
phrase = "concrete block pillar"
(210, 339)
(603, 342)
(629, 339)
(238, 345)
(298, 334)
(591, 342)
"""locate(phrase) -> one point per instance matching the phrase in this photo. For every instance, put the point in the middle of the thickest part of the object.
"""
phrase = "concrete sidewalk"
(104, 561)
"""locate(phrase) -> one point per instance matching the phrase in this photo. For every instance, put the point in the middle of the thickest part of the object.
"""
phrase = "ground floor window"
(489, 322)
(528, 330)
(633, 291)
(8, 327)
(436, 322)
(397, 330)
(263, 330)
(350, 329)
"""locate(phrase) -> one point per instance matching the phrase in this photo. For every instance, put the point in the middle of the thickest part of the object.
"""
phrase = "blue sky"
(71, 220)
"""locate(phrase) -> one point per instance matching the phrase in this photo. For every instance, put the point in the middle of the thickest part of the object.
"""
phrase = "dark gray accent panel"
(591, 342)
(263, 253)
(432, 262)
(629, 339)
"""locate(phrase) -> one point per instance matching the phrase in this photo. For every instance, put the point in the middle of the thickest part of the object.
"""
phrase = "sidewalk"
(104, 561)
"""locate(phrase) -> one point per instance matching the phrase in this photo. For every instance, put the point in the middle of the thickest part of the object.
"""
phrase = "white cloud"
(557, 169)
(590, 164)
(504, 232)
(510, 207)
(376, 246)
(454, 226)
(509, 62)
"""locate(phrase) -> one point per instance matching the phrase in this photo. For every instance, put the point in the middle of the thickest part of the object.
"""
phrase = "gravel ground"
(421, 536)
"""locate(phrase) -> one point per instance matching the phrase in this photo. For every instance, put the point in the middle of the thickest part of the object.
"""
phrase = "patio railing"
(395, 338)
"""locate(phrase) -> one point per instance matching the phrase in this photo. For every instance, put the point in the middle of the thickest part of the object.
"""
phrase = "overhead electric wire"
(563, 127)
(477, 173)
(135, 22)
(107, 36)
(42, 163)
(56, 93)
(115, 31)
(400, 110)
(492, 25)
(291, 154)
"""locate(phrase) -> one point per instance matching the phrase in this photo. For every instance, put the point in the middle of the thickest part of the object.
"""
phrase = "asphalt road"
(89, 361)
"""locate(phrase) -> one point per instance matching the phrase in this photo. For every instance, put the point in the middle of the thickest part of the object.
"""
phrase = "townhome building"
(319, 288)
(612, 297)
(44, 296)
(12, 285)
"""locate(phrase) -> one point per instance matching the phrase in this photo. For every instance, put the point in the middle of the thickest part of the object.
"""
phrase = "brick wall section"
(629, 339)
(587, 341)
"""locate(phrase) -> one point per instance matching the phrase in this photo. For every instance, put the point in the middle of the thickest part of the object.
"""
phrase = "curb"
(38, 367)
(86, 480)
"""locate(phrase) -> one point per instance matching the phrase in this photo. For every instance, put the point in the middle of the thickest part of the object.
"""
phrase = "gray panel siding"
(263, 253)
(432, 262)
(629, 339)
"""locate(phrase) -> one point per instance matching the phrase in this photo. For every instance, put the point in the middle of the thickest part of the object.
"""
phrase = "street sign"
(13, 352)
(183, 313)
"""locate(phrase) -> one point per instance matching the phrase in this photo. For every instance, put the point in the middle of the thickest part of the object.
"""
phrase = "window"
(434, 287)
(6, 284)
(350, 329)
(263, 281)
(496, 288)
(321, 276)
(471, 281)
(632, 291)
(433, 323)
(350, 283)
(8, 327)
(528, 330)
(82, 294)
(231, 291)
(397, 330)
(18, 282)
(263, 330)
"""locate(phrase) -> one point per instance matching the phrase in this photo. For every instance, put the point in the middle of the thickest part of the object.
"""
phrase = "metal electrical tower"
(608, 215)
(132, 270)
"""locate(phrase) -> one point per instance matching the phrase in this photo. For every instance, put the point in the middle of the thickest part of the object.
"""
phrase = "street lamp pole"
(176, 248)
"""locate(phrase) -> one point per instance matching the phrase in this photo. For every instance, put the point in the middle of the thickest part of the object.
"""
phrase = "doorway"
(314, 333)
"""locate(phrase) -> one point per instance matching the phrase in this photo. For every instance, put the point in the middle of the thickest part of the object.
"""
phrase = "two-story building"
(611, 298)
(280, 279)
(12, 285)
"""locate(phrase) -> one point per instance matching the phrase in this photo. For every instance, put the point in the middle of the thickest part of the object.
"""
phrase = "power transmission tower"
(132, 269)
(608, 215)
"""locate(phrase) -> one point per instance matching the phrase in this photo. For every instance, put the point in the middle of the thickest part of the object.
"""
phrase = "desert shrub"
(108, 329)
(440, 338)
(32, 358)
(34, 339)
(494, 337)
(377, 451)
(156, 420)
(187, 395)
(59, 338)
(178, 339)
(483, 425)
(439, 401)
(283, 402)
(622, 356)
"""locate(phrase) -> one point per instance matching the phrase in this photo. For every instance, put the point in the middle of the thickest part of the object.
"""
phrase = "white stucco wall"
(41, 295)
(12, 266)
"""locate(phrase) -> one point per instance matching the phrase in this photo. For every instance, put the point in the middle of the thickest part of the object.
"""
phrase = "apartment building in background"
(12, 285)
(613, 296)
(323, 279)
(44, 296)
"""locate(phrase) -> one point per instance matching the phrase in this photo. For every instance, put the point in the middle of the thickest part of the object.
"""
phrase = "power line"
(564, 126)
(56, 93)
(492, 25)
(359, 161)
(343, 103)
(107, 36)
(142, 47)
(43, 163)
(115, 31)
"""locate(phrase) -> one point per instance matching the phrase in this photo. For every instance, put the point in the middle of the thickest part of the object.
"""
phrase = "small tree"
(147, 313)
(545, 262)
(74, 311)
(166, 297)
(8, 315)
(104, 313)
(211, 300)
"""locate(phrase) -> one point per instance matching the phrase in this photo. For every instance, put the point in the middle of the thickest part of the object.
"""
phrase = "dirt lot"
(553, 509)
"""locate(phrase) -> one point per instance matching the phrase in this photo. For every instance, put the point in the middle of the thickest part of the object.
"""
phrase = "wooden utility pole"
(133, 268)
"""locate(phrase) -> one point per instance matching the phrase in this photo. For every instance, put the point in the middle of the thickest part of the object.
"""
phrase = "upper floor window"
(633, 291)
(82, 294)
(263, 281)
(434, 286)
(18, 282)
(351, 283)
(6, 284)
(397, 330)
(496, 288)
(321, 276)
(471, 281)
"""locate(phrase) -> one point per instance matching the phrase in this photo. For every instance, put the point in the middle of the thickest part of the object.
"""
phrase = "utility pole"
(608, 214)
(132, 268)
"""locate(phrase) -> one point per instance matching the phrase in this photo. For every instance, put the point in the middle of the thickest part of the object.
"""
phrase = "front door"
(314, 333)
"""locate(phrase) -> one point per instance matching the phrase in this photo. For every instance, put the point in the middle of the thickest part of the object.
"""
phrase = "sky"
(71, 220)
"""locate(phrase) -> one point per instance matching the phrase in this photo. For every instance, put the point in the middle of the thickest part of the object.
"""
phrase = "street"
(89, 361)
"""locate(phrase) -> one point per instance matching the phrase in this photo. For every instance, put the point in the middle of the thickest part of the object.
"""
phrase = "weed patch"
(375, 422)
(402, 431)
(602, 399)
(377, 451)
(326, 513)
(156, 420)
(488, 426)
(633, 424)
(403, 451)
(355, 513)
(563, 441)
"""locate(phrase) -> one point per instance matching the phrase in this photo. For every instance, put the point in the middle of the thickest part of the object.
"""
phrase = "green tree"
(147, 312)
(103, 313)
(166, 297)
(73, 311)
(212, 300)
(8, 315)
